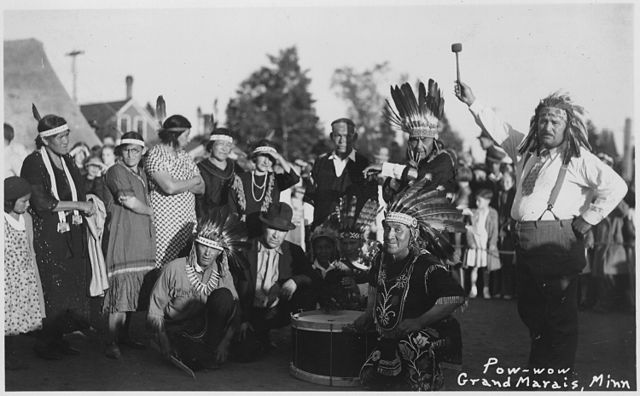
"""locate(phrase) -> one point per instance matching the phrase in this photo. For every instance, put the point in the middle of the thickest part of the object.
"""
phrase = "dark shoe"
(47, 353)
(131, 343)
(65, 348)
(112, 351)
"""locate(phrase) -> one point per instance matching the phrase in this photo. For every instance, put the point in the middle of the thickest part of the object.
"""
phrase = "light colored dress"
(477, 239)
(23, 300)
(174, 215)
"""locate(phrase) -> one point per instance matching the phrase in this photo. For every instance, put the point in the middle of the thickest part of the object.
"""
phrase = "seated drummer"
(193, 302)
(274, 279)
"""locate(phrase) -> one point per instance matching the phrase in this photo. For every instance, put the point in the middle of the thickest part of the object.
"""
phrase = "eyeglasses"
(132, 151)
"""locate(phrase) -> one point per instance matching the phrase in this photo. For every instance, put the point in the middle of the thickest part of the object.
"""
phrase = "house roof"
(101, 112)
(29, 78)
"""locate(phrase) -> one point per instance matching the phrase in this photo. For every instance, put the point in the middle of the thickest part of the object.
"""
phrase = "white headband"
(54, 131)
(209, 242)
(223, 138)
(131, 141)
(265, 150)
(401, 218)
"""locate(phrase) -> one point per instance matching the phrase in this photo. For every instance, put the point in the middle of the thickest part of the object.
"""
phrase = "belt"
(532, 224)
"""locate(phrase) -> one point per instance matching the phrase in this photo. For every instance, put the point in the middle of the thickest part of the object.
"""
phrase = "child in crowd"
(23, 299)
(482, 239)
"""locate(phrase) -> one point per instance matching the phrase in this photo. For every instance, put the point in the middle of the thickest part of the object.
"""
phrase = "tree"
(276, 100)
(365, 104)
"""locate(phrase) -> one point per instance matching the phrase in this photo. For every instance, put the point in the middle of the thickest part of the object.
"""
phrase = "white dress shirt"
(339, 164)
(267, 273)
(591, 188)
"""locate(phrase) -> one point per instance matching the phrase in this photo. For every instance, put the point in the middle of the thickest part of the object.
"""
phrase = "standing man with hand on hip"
(562, 190)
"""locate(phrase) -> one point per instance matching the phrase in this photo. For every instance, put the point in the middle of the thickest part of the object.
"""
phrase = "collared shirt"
(267, 273)
(591, 188)
(339, 164)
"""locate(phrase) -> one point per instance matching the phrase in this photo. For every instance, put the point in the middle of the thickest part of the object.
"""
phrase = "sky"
(513, 54)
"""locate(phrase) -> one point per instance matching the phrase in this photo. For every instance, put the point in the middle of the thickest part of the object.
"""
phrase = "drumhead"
(321, 321)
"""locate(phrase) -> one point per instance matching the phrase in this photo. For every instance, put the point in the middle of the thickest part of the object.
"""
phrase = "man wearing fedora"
(274, 278)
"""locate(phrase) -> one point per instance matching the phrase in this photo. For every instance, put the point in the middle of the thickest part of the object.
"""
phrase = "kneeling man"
(275, 280)
(193, 302)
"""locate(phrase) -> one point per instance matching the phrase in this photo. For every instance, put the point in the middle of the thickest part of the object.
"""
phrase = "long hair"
(575, 133)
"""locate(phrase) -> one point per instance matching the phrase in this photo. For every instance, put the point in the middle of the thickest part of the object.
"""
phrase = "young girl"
(482, 240)
(23, 298)
(131, 249)
(254, 192)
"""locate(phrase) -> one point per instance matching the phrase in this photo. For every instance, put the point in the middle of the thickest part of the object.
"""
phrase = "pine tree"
(275, 100)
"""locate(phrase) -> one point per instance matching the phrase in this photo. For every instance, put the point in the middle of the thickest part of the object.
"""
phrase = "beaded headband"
(54, 131)
(401, 218)
(132, 141)
(222, 138)
(265, 150)
(209, 242)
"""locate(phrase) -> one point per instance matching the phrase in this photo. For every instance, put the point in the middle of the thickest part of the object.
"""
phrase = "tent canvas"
(29, 78)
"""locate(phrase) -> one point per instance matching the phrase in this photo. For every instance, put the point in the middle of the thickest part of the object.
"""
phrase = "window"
(125, 123)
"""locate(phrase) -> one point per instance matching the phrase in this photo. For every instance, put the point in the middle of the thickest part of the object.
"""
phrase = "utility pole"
(73, 54)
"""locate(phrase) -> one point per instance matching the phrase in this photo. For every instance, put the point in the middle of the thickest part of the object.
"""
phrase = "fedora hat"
(279, 217)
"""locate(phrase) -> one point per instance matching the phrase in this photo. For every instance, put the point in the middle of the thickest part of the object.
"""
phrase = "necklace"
(254, 185)
(205, 288)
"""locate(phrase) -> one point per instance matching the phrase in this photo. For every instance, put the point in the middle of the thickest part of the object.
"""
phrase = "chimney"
(129, 81)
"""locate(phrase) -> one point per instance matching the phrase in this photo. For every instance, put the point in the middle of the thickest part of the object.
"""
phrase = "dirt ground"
(491, 329)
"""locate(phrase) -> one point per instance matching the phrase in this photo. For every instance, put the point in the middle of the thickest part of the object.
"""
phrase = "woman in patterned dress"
(174, 179)
(254, 192)
(131, 250)
(57, 206)
(23, 299)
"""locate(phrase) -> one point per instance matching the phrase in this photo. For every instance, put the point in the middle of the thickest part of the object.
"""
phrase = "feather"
(35, 112)
(161, 109)
(368, 214)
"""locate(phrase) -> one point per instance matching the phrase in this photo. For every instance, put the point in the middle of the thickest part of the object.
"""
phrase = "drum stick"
(456, 48)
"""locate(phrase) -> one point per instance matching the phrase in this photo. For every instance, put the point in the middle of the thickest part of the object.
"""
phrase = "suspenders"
(556, 188)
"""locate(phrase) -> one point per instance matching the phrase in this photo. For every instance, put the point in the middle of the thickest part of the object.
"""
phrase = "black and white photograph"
(320, 196)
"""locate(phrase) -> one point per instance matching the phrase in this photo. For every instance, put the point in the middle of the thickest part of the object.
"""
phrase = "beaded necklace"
(193, 277)
(262, 187)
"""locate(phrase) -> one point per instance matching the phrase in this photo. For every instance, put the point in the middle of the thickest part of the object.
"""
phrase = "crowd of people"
(218, 255)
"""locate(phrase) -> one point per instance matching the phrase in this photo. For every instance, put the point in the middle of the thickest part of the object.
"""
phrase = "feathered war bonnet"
(222, 230)
(575, 134)
(417, 117)
(430, 214)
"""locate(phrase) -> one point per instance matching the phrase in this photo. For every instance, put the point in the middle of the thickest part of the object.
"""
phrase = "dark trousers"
(198, 337)
(550, 258)
(263, 319)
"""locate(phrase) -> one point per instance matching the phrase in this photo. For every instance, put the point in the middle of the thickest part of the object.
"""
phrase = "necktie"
(532, 176)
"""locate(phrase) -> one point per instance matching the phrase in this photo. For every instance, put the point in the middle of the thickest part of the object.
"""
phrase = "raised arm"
(486, 118)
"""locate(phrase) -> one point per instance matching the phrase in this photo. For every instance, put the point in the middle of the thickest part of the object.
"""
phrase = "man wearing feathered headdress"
(562, 190)
(194, 300)
(412, 294)
(419, 117)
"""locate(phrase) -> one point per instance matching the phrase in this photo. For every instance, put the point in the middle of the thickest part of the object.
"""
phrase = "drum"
(323, 353)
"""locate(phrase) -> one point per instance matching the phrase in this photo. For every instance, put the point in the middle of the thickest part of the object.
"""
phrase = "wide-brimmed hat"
(279, 217)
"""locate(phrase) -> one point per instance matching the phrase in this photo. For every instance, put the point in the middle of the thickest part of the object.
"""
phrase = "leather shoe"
(112, 351)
